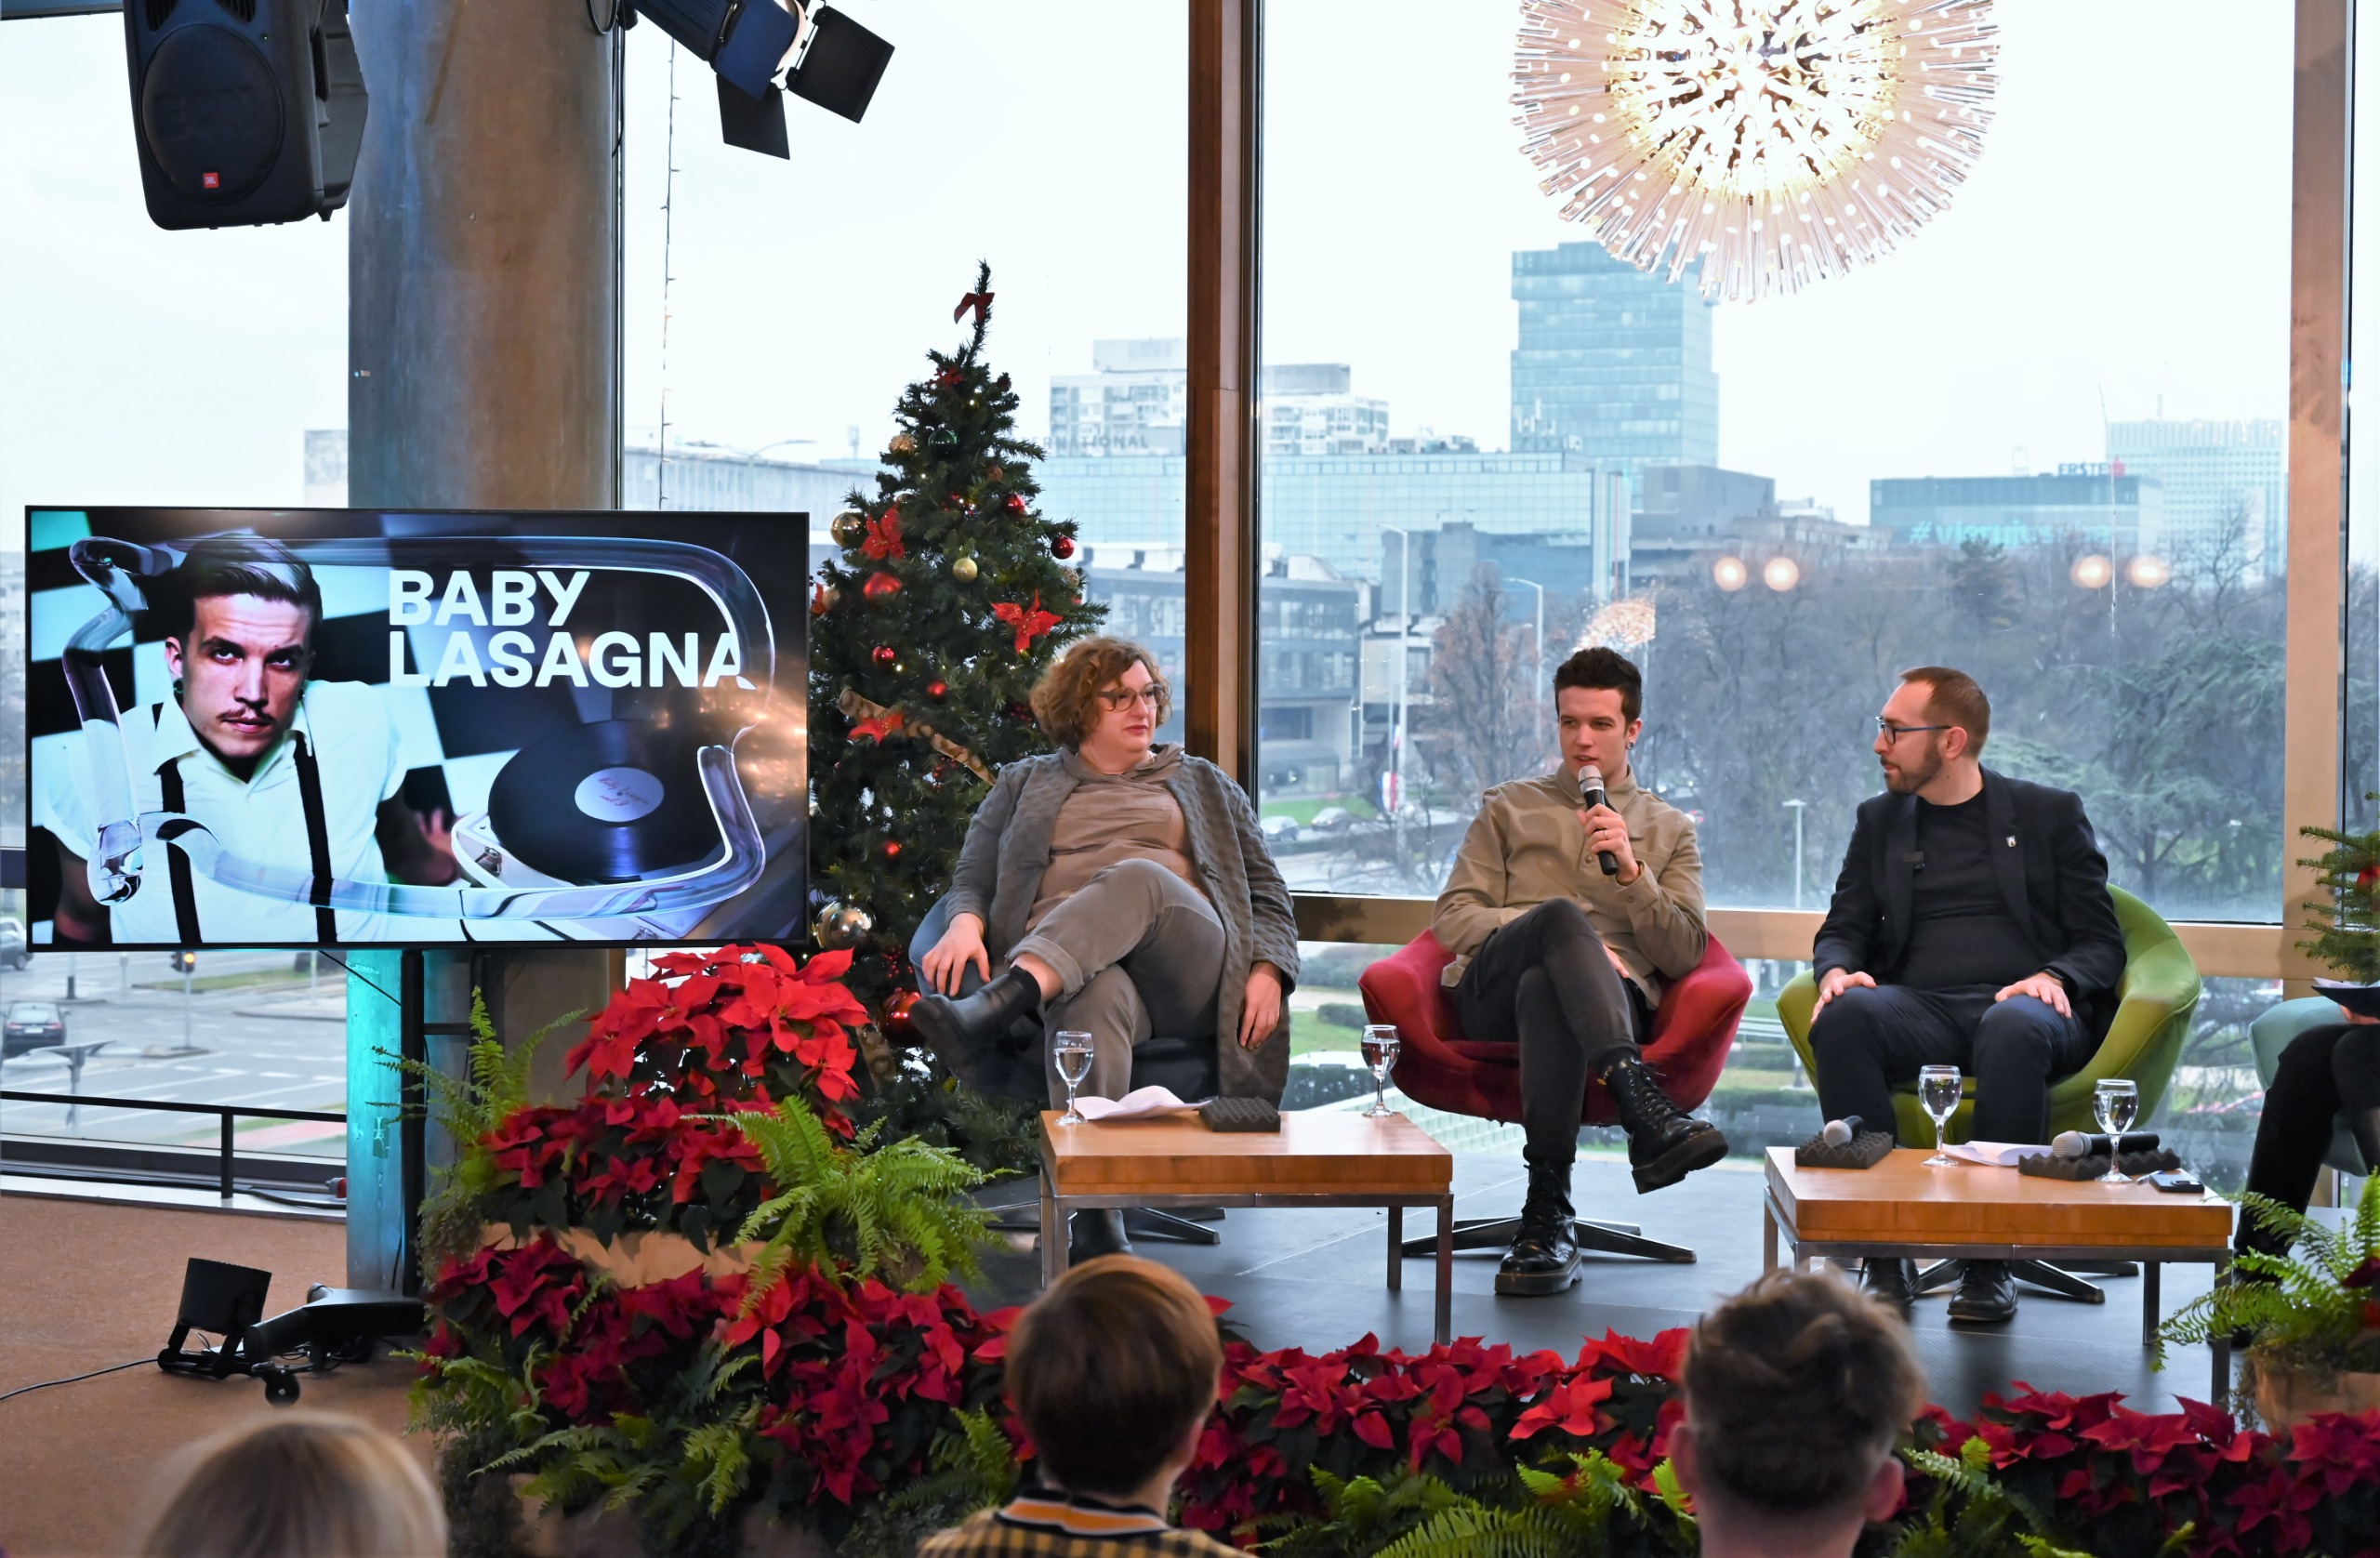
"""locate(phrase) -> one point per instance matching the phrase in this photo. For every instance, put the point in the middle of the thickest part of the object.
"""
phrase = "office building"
(1571, 570)
(1613, 364)
(2225, 485)
(2086, 504)
(703, 476)
(1134, 401)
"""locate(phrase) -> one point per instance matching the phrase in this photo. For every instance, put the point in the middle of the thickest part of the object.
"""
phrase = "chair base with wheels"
(1184, 1067)
(1440, 1069)
(2154, 1005)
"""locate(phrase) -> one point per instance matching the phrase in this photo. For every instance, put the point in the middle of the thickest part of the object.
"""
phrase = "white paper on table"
(1997, 1155)
(1140, 1103)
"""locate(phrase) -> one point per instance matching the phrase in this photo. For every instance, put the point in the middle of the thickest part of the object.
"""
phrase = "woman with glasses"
(1119, 887)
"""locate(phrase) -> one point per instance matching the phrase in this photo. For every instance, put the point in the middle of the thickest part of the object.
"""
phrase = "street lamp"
(1538, 685)
(1799, 807)
(1404, 663)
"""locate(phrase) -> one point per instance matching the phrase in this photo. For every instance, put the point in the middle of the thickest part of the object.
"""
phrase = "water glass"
(1379, 1054)
(1073, 1053)
(1938, 1091)
(2116, 1102)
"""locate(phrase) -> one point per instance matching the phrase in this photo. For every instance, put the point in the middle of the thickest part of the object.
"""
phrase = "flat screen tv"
(344, 727)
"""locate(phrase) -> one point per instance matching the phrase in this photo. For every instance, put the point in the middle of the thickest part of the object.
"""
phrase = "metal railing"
(225, 1113)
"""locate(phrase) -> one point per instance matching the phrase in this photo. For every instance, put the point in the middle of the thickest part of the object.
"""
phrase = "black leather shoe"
(1097, 1232)
(1986, 1294)
(1544, 1255)
(1664, 1144)
(965, 1033)
(1890, 1282)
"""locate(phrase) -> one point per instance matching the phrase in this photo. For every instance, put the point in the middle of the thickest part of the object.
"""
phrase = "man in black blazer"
(1971, 926)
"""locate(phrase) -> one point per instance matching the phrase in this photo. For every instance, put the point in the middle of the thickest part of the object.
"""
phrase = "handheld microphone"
(1591, 791)
(2076, 1144)
(1842, 1132)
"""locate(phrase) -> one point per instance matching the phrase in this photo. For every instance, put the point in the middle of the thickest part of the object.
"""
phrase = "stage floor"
(1316, 1279)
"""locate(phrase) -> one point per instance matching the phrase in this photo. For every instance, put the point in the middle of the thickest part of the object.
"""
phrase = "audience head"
(1069, 702)
(1797, 1390)
(299, 1485)
(1113, 1372)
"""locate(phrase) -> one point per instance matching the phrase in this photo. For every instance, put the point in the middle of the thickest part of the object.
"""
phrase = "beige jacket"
(1527, 845)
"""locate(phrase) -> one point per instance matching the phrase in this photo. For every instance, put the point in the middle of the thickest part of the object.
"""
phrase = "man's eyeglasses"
(1125, 697)
(1893, 732)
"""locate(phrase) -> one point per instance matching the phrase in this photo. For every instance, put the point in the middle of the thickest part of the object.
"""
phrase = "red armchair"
(1437, 1067)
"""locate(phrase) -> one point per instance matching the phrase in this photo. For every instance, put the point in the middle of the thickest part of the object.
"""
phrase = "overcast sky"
(2123, 246)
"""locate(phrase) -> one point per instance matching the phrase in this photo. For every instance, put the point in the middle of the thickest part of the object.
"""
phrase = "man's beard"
(1909, 778)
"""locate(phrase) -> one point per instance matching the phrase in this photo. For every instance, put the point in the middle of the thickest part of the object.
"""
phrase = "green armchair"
(2155, 1002)
(2270, 1034)
(2144, 1042)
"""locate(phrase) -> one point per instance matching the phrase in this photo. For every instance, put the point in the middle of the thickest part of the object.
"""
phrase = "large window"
(800, 298)
(147, 367)
(2043, 441)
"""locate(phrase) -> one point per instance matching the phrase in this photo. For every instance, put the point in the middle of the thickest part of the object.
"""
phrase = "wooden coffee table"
(1316, 1159)
(1968, 1213)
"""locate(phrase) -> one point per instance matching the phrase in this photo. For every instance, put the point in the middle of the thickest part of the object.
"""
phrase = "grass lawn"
(1302, 811)
(255, 979)
(1309, 1033)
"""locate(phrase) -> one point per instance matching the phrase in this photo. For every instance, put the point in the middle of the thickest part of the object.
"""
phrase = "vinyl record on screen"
(608, 802)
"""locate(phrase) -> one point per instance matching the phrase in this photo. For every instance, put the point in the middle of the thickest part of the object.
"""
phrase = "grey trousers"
(1136, 950)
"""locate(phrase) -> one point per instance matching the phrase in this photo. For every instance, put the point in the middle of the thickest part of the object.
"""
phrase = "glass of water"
(2116, 1102)
(1937, 1092)
(1073, 1052)
(1379, 1054)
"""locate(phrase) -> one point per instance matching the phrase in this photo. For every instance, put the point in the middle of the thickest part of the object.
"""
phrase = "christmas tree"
(2346, 933)
(947, 598)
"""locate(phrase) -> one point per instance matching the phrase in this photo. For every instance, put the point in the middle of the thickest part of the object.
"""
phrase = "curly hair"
(1066, 699)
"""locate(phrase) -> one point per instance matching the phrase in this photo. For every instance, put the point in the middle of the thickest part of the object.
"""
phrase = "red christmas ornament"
(881, 587)
(950, 379)
(2366, 877)
(897, 1017)
(1015, 504)
(1063, 546)
(885, 655)
(935, 690)
(891, 849)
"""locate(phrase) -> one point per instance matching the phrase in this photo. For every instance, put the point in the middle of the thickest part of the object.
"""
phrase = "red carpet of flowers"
(856, 1380)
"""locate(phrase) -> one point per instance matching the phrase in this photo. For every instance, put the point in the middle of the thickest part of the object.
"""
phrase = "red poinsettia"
(1029, 622)
(883, 538)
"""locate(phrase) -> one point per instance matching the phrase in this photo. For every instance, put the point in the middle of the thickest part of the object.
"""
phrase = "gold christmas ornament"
(1773, 142)
(849, 529)
(842, 925)
(963, 569)
(904, 445)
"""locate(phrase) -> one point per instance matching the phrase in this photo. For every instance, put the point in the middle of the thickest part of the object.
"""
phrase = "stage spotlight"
(1780, 573)
(1730, 575)
(2148, 573)
(825, 58)
(2091, 572)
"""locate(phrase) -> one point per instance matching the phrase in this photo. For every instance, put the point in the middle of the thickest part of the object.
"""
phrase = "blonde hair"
(1067, 698)
(299, 1485)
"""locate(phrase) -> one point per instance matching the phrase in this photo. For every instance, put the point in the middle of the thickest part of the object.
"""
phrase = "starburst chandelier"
(1776, 142)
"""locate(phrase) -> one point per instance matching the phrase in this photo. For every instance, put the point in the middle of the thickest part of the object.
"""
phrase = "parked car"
(1333, 819)
(31, 1026)
(13, 951)
(1280, 830)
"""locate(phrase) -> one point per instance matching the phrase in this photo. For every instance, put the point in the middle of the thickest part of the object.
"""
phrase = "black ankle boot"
(1664, 1144)
(965, 1033)
(1096, 1233)
(1544, 1257)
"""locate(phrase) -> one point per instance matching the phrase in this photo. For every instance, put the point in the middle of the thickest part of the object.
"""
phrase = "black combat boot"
(1889, 1282)
(1544, 1257)
(1664, 1144)
(1099, 1231)
(965, 1034)
(1987, 1295)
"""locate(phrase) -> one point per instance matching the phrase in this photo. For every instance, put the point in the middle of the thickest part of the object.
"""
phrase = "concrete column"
(483, 356)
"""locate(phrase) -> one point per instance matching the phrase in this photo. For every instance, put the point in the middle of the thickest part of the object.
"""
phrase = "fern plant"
(899, 1212)
(495, 1083)
(1966, 1514)
(2311, 1309)
(974, 1469)
(1586, 1509)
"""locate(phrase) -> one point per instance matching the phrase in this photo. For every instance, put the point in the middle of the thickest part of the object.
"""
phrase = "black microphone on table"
(2076, 1144)
(1842, 1132)
(1591, 791)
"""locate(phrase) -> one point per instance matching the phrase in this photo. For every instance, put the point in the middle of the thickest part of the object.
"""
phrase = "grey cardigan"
(1008, 847)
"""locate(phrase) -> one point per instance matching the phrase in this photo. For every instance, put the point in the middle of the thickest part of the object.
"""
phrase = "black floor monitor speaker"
(246, 112)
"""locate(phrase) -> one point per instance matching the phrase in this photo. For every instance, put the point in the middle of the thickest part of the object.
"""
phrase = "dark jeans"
(1867, 1039)
(1545, 983)
(2324, 1070)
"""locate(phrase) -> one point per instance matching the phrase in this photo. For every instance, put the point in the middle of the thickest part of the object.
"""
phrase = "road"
(269, 1043)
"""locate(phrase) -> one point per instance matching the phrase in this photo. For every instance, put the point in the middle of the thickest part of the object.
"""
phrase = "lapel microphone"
(1591, 791)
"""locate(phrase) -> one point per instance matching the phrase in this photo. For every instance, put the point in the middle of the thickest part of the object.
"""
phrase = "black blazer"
(2050, 872)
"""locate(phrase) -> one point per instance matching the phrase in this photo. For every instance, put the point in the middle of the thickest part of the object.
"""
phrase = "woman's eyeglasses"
(1125, 697)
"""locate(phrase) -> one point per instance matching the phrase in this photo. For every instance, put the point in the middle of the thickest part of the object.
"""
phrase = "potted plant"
(2312, 1315)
